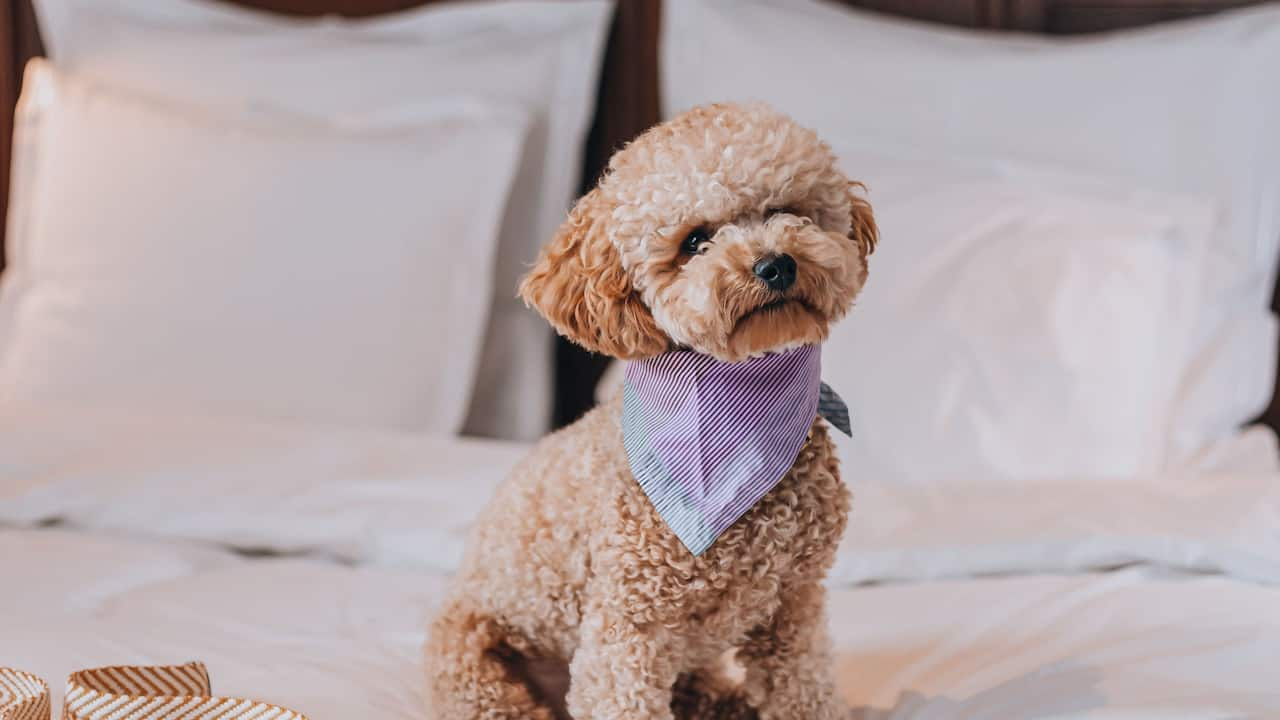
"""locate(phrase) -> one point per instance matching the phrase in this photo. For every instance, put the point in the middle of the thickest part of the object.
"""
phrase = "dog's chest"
(787, 539)
(789, 535)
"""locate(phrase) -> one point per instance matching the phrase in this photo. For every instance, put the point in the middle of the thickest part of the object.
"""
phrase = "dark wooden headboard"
(628, 100)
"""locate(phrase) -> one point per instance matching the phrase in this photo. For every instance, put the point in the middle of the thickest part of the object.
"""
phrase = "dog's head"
(728, 230)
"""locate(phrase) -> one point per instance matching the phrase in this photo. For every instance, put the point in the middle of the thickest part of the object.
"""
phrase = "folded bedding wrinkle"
(153, 692)
(407, 501)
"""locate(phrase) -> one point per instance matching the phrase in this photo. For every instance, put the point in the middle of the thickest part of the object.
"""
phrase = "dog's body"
(571, 562)
(571, 556)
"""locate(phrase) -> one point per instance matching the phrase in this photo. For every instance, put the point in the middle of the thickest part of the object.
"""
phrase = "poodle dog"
(570, 562)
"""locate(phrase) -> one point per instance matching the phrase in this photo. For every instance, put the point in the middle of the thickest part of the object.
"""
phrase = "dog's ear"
(864, 231)
(579, 285)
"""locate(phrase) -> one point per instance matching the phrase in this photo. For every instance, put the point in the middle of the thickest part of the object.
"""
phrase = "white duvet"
(1142, 599)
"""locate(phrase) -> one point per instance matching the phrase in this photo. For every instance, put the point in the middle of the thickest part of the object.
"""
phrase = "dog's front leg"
(788, 662)
(619, 671)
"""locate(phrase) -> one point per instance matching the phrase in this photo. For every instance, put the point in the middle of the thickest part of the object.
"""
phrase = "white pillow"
(1190, 108)
(254, 264)
(541, 54)
(1016, 326)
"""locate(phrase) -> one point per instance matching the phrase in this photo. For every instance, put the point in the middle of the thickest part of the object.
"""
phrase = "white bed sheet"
(980, 600)
(339, 642)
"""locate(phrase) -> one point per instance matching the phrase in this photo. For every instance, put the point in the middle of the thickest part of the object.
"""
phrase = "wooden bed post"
(19, 42)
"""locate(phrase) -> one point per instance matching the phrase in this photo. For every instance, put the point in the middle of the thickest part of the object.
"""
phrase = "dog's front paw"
(703, 696)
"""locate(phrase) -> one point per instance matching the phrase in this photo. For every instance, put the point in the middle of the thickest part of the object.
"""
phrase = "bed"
(300, 561)
(301, 565)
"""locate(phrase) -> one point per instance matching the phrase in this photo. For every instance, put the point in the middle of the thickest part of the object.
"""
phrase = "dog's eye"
(695, 243)
(780, 210)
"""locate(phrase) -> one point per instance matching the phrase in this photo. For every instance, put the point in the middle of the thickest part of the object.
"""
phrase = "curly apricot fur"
(570, 563)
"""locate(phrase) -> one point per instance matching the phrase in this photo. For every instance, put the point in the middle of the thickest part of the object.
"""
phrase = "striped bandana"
(707, 439)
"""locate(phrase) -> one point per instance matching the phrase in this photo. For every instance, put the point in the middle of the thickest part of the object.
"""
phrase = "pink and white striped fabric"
(707, 439)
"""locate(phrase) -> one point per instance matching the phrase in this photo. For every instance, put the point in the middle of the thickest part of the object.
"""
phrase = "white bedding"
(339, 642)
(220, 67)
(971, 601)
(326, 640)
(398, 499)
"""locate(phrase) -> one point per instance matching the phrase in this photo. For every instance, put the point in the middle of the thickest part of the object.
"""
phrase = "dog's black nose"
(777, 271)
